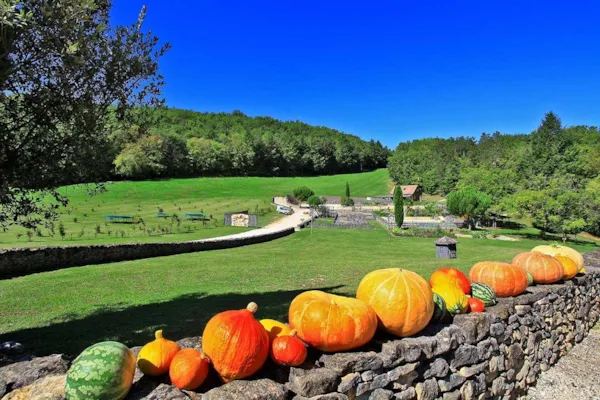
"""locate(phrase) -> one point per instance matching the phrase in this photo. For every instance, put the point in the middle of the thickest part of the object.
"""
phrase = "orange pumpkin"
(505, 279)
(236, 343)
(570, 267)
(155, 357)
(189, 369)
(288, 350)
(330, 322)
(275, 328)
(542, 267)
(401, 298)
(454, 274)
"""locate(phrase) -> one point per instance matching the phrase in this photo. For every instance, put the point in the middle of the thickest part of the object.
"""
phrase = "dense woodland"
(188, 143)
(551, 176)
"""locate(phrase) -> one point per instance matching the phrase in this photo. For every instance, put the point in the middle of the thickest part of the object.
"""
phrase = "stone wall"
(24, 261)
(493, 355)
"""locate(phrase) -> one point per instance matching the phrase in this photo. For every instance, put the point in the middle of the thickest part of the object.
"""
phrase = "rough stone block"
(312, 382)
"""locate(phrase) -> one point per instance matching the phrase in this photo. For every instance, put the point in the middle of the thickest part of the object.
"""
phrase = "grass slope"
(211, 195)
(67, 310)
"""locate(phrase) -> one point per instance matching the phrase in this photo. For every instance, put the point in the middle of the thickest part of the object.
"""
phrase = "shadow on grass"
(182, 317)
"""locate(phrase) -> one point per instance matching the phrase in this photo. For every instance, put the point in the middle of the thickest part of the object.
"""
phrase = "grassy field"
(213, 196)
(66, 310)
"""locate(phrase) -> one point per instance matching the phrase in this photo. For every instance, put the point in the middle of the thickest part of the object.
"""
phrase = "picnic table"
(162, 214)
(119, 218)
(196, 216)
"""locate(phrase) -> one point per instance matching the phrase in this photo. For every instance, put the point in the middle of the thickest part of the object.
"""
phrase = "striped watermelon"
(484, 293)
(440, 313)
(103, 371)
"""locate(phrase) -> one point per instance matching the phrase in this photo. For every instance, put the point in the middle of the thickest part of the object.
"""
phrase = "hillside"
(189, 143)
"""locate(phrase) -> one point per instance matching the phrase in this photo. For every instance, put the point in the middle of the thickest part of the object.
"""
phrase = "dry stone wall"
(24, 261)
(498, 354)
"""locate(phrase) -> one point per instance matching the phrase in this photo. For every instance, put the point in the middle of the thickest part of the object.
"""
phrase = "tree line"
(188, 143)
(551, 176)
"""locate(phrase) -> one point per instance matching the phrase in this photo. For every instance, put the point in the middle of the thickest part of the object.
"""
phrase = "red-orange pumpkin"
(542, 267)
(288, 351)
(330, 322)
(401, 298)
(236, 343)
(505, 279)
(452, 273)
(189, 369)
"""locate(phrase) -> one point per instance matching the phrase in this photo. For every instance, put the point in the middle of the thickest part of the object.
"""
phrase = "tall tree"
(398, 206)
(72, 76)
(548, 144)
(347, 190)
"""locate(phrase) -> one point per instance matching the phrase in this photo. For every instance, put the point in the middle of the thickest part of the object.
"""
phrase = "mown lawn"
(213, 196)
(66, 310)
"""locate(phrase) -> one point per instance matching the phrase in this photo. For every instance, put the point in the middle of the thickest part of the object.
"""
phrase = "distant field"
(66, 310)
(213, 196)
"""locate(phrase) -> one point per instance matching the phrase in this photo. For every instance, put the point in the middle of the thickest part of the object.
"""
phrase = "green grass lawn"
(213, 196)
(67, 310)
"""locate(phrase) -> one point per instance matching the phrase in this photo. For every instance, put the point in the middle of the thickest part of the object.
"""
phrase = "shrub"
(61, 231)
(302, 193)
(347, 201)
(314, 201)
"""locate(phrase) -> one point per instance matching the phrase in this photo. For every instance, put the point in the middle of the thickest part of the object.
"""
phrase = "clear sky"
(389, 70)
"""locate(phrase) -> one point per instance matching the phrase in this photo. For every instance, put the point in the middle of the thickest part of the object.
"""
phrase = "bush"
(302, 193)
(347, 202)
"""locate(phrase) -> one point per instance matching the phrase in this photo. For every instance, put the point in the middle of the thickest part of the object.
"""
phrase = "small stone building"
(445, 247)
(240, 219)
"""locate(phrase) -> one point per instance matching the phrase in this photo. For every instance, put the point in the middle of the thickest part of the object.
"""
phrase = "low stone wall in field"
(24, 261)
(493, 355)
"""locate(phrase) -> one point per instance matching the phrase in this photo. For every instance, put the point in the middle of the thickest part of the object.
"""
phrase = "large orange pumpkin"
(569, 266)
(453, 274)
(542, 267)
(288, 350)
(236, 343)
(402, 300)
(155, 357)
(505, 279)
(330, 322)
(558, 250)
(189, 369)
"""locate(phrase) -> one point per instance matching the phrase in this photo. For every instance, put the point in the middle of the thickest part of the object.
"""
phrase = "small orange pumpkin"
(542, 267)
(288, 350)
(189, 369)
(155, 357)
(445, 273)
(236, 343)
(401, 298)
(505, 279)
(570, 267)
(330, 322)
(275, 328)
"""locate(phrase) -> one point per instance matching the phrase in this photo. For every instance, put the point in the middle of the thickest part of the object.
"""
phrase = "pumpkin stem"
(293, 332)
(252, 307)
(158, 334)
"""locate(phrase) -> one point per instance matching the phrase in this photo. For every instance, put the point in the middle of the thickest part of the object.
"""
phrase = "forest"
(188, 143)
(551, 176)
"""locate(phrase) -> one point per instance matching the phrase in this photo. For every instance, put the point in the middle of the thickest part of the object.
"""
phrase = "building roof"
(446, 241)
(407, 190)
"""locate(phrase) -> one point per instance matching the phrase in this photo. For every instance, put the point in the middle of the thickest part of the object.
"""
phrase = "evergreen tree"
(398, 206)
(347, 190)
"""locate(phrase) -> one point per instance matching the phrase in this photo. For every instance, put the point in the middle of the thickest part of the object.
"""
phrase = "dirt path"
(574, 376)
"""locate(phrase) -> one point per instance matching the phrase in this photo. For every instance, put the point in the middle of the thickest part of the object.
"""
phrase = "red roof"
(408, 190)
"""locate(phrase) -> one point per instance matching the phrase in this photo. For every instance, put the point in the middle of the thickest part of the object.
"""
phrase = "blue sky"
(389, 70)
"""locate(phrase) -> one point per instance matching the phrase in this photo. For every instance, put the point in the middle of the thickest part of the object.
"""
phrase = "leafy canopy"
(67, 78)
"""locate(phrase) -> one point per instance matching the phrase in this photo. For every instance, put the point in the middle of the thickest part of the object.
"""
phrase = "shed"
(445, 247)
